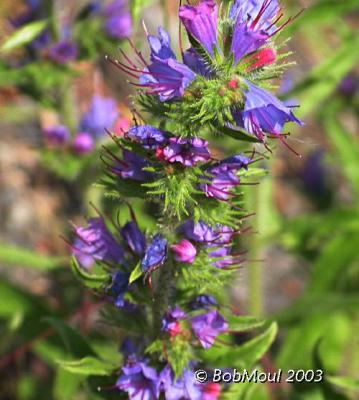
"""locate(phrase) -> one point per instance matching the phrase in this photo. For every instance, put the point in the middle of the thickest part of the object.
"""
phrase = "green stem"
(255, 268)
(162, 295)
(68, 106)
(166, 16)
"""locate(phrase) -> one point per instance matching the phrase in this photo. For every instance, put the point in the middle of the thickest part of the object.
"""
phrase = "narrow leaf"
(24, 35)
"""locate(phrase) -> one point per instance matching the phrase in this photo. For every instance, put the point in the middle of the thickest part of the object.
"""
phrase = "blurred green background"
(307, 214)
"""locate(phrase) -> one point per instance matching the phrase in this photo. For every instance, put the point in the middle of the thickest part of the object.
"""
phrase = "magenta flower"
(139, 380)
(187, 152)
(83, 143)
(201, 22)
(208, 326)
(63, 52)
(57, 135)
(185, 251)
(211, 391)
(102, 114)
(221, 183)
(96, 242)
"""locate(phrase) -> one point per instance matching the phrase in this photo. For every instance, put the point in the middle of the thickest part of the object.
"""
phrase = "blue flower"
(148, 136)
(203, 301)
(120, 282)
(131, 167)
(118, 19)
(184, 388)
(156, 253)
(57, 135)
(102, 114)
(208, 326)
(135, 239)
(139, 380)
(63, 51)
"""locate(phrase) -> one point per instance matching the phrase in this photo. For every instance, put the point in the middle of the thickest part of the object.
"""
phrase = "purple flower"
(199, 232)
(148, 136)
(171, 321)
(161, 46)
(128, 347)
(167, 78)
(120, 282)
(349, 85)
(184, 388)
(96, 242)
(222, 256)
(264, 113)
(135, 239)
(258, 14)
(203, 301)
(57, 135)
(119, 19)
(211, 391)
(84, 143)
(187, 152)
(201, 22)
(221, 183)
(63, 51)
(194, 61)
(185, 251)
(208, 326)
(156, 253)
(139, 380)
(102, 114)
(132, 167)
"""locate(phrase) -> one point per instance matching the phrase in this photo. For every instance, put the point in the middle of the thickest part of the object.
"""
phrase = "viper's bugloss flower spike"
(139, 380)
(156, 253)
(96, 242)
(208, 326)
(185, 251)
(102, 114)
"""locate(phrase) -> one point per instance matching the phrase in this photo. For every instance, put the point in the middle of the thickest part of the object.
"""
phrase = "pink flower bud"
(185, 251)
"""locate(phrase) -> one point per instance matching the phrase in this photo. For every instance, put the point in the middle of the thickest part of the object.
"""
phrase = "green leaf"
(237, 134)
(24, 35)
(344, 382)
(249, 353)
(88, 366)
(93, 281)
(66, 385)
(244, 323)
(136, 273)
(13, 255)
(76, 345)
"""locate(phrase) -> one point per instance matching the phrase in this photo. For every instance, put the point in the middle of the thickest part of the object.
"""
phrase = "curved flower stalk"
(165, 286)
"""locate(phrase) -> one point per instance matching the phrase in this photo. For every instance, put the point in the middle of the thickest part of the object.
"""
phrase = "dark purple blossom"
(139, 380)
(135, 239)
(148, 136)
(185, 251)
(208, 326)
(201, 22)
(263, 113)
(63, 51)
(119, 286)
(129, 347)
(171, 321)
(184, 388)
(102, 114)
(83, 143)
(160, 46)
(118, 22)
(194, 61)
(156, 253)
(199, 232)
(187, 152)
(131, 167)
(96, 242)
(57, 135)
(203, 301)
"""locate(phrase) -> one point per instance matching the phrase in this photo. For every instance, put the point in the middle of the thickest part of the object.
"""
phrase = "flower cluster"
(164, 282)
